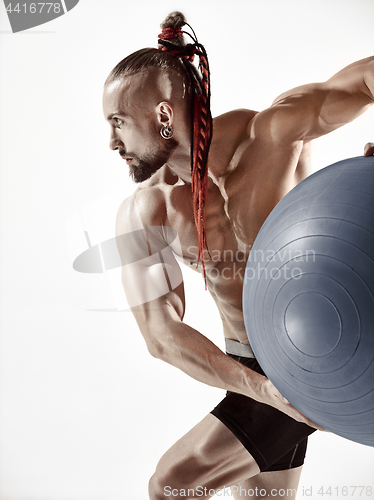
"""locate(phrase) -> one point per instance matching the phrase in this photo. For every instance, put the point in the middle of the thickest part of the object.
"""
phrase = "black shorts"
(275, 440)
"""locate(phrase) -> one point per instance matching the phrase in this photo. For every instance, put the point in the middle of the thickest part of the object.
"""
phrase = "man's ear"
(165, 114)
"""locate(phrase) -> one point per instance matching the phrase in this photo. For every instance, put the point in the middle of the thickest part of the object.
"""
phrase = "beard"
(151, 163)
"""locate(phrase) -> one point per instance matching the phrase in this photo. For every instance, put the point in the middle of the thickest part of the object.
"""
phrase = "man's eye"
(118, 121)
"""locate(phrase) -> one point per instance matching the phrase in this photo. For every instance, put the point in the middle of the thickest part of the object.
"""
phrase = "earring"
(166, 132)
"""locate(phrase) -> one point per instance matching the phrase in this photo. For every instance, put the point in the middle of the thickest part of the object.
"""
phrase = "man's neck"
(180, 164)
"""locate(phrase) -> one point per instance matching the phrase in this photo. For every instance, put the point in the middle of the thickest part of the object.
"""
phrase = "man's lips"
(128, 159)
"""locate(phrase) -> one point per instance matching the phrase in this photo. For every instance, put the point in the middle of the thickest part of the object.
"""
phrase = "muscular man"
(157, 105)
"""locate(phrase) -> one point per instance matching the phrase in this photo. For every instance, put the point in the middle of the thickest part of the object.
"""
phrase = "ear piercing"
(166, 132)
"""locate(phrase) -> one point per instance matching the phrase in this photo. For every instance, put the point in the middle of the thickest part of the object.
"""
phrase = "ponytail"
(171, 40)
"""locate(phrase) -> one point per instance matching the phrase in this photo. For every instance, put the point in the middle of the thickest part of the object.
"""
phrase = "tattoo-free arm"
(153, 284)
(154, 287)
(312, 110)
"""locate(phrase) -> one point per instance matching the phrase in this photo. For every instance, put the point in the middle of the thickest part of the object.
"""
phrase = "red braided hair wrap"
(170, 33)
(201, 127)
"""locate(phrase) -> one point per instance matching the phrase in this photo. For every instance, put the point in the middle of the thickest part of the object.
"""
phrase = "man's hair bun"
(174, 20)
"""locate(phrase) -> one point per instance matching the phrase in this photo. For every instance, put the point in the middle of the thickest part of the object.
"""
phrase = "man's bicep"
(146, 248)
(151, 277)
(313, 110)
(155, 293)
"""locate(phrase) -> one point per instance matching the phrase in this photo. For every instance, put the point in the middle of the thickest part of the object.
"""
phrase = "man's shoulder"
(145, 207)
(230, 132)
(231, 129)
(235, 122)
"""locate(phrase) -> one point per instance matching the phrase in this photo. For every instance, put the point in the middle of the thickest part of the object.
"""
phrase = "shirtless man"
(254, 438)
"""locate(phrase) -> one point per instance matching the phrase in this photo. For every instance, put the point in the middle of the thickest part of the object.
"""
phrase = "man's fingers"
(286, 407)
(369, 149)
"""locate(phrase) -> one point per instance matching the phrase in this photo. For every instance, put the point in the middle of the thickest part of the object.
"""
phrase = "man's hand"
(369, 149)
(275, 399)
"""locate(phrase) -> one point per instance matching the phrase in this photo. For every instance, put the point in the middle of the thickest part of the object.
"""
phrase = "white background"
(85, 410)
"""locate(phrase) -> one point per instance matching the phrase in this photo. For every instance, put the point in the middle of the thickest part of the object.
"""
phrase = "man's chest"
(237, 204)
(224, 243)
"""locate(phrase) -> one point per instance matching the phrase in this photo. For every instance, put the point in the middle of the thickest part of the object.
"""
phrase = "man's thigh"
(209, 456)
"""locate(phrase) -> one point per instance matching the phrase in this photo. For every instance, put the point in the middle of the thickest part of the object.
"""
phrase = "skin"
(369, 149)
(255, 159)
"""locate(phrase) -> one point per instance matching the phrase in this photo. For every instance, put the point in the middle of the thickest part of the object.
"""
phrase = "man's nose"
(115, 143)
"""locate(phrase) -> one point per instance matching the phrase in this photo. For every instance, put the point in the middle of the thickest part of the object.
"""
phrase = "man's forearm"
(357, 77)
(194, 354)
(176, 343)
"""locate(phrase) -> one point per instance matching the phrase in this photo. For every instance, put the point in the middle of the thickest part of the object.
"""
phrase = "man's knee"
(175, 480)
(156, 487)
(165, 483)
(163, 486)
